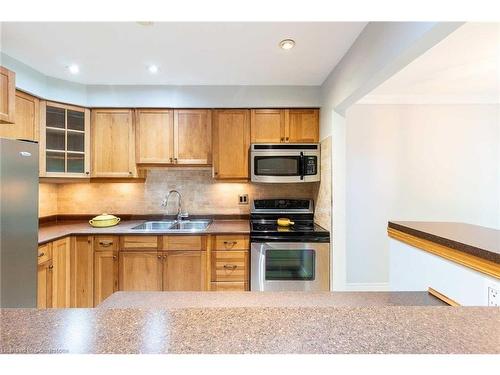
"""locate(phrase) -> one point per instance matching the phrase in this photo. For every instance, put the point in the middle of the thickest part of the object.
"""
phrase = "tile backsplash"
(200, 192)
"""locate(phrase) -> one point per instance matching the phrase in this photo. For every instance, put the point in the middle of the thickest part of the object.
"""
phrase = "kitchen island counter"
(368, 328)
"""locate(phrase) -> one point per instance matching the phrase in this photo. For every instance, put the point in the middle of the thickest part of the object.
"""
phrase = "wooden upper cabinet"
(140, 271)
(230, 143)
(192, 136)
(284, 125)
(268, 125)
(303, 125)
(154, 136)
(27, 125)
(7, 96)
(113, 143)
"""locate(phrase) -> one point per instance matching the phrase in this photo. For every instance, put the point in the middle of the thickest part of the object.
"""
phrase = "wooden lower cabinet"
(140, 271)
(44, 286)
(105, 274)
(82, 272)
(228, 286)
(184, 270)
(61, 280)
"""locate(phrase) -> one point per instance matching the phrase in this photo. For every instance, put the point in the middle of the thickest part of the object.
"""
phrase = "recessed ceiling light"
(153, 69)
(74, 69)
(287, 44)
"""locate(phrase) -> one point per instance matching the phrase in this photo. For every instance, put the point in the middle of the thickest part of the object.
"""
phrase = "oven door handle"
(302, 165)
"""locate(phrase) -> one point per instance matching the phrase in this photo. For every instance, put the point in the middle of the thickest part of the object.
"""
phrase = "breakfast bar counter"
(183, 325)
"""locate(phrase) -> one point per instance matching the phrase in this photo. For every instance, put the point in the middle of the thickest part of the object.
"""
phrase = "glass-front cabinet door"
(64, 141)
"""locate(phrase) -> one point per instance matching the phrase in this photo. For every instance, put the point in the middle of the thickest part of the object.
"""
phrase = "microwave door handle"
(302, 166)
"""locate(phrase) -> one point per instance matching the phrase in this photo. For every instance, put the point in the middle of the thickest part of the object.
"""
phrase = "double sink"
(174, 226)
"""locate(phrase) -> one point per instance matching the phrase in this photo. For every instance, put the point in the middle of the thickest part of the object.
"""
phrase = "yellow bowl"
(104, 220)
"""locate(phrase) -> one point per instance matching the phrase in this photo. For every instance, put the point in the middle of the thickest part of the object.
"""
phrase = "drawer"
(138, 243)
(229, 286)
(232, 242)
(183, 243)
(229, 266)
(104, 243)
(44, 253)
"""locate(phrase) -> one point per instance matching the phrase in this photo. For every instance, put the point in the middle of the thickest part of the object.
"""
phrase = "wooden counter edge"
(478, 264)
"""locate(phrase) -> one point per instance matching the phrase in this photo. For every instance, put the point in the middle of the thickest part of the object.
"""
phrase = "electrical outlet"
(493, 297)
(243, 199)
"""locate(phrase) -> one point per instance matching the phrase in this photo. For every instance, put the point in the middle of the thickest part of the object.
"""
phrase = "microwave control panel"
(311, 163)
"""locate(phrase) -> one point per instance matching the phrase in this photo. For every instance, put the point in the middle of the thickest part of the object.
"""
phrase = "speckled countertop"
(51, 232)
(163, 300)
(369, 328)
(475, 240)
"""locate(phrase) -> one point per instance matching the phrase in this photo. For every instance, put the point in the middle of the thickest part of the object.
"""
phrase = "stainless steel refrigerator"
(18, 222)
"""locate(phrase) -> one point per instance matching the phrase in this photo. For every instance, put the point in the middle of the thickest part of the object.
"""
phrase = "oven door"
(278, 166)
(289, 266)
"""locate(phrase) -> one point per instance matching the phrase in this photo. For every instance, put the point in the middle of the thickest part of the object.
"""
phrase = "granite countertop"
(476, 240)
(366, 326)
(163, 300)
(51, 232)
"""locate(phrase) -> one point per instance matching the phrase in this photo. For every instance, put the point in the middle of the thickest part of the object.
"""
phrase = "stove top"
(264, 226)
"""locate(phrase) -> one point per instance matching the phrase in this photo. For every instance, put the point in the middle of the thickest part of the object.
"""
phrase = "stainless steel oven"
(285, 162)
(282, 266)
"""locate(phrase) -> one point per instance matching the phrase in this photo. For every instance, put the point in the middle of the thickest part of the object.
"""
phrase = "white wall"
(416, 162)
(36, 83)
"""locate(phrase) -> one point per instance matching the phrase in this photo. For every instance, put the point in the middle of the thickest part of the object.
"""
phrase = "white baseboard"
(367, 287)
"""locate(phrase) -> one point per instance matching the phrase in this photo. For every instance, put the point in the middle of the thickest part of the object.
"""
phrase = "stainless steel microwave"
(285, 162)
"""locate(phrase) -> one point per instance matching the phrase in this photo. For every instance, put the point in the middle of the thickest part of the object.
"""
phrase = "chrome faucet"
(180, 215)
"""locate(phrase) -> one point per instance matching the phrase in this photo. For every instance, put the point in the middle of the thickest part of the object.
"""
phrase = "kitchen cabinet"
(64, 140)
(184, 270)
(192, 136)
(113, 143)
(27, 125)
(140, 271)
(229, 268)
(284, 125)
(7, 96)
(154, 136)
(230, 143)
(105, 274)
(61, 261)
(44, 277)
(303, 126)
(267, 125)
(82, 272)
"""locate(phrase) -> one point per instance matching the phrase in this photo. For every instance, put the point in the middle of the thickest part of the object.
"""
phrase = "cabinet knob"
(41, 255)
(164, 257)
(51, 266)
(171, 160)
(114, 257)
(87, 172)
(282, 139)
(175, 159)
(159, 256)
(130, 173)
(286, 139)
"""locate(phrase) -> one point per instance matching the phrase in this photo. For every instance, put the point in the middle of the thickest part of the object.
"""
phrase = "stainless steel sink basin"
(174, 226)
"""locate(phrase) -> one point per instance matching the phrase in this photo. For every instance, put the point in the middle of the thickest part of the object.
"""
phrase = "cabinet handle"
(230, 243)
(171, 160)
(231, 267)
(286, 139)
(175, 159)
(51, 266)
(41, 255)
(282, 139)
(105, 243)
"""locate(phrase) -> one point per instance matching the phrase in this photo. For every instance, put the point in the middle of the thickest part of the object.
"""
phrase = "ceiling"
(186, 53)
(464, 67)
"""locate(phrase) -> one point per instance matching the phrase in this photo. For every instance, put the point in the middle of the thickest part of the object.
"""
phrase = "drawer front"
(105, 243)
(229, 266)
(44, 253)
(183, 243)
(232, 242)
(139, 243)
(229, 286)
